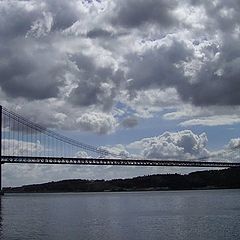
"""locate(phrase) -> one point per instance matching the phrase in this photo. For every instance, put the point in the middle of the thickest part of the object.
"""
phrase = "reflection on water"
(176, 215)
(1, 220)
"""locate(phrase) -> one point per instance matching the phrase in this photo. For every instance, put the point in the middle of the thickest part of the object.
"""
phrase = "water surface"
(174, 215)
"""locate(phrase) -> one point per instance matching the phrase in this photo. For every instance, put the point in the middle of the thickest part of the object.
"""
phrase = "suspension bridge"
(23, 141)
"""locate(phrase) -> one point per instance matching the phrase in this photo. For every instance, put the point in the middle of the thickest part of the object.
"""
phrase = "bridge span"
(116, 162)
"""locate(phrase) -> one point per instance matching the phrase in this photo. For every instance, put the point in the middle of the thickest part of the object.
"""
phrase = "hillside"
(214, 179)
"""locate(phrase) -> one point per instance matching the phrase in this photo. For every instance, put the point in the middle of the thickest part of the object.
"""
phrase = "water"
(116, 216)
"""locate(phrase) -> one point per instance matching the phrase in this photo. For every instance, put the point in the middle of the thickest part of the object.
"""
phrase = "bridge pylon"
(1, 116)
(1, 192)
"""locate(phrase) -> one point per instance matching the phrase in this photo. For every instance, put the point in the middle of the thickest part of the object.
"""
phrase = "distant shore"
(200, 180)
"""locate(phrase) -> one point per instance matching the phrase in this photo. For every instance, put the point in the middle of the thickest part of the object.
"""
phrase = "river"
(210, 214)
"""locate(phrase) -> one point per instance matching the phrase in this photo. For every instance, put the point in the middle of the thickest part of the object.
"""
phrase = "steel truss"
(117, 162)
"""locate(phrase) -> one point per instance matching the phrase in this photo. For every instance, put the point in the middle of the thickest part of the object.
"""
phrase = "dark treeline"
(214, 179)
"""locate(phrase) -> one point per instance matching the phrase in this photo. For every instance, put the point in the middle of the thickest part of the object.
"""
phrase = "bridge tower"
(1, 192)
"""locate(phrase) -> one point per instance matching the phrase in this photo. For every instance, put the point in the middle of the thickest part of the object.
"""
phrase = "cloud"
(233, 143)
(181, 145)
(134, 13)
(147, 103)
(158, 66)
(14, 147)
(189, 115)
(31, 67)
(140, 57)
(16, 18)
(130, 122)
(35, 75)
(82, 154)
(99, 33)
(95, 85)
(65, 13)
(216, 83)
(205, 72)
(212, 121)
(117, 149)
(97, 122)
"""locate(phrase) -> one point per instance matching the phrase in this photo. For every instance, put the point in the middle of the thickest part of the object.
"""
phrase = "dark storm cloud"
(96, 85)
(15, 21)
(99, 33)
(157, 67)
(134, 13)
(29, 67)
(223, 15)
(217, 84)
(217, 81)
(32, 75)
(64, 13)
(16, 18)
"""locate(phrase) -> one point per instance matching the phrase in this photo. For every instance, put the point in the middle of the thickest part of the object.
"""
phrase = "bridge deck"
(118, 162)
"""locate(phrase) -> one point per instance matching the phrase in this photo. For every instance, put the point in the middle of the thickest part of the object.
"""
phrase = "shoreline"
(122, 191)
(200, 180)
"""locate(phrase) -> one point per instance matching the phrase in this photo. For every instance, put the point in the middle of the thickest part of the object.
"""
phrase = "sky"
(151, 79)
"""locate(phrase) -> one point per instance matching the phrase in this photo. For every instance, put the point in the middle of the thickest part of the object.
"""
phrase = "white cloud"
(212, 121)
(180, 145)
(188, 115)
(97, 122)
(233, 143)
(118, 149)
(149, 102)
(82, 154)
(14, 147)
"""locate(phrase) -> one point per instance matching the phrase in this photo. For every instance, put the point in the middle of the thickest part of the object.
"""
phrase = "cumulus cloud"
(97, 122)
(118, 149)
(233, 143)
(82, 154)
(181, 145)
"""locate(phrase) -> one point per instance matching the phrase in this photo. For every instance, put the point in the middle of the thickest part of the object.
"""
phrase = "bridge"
(23, 141)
